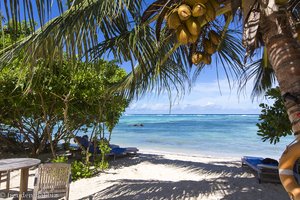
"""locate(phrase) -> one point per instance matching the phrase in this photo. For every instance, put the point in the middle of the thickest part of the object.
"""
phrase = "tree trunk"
(284, 55)
(49, 133)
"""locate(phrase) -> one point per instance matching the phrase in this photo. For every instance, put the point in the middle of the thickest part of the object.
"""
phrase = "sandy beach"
(161, 175)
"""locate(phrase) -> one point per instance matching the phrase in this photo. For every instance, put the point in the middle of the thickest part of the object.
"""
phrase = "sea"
(228, 135)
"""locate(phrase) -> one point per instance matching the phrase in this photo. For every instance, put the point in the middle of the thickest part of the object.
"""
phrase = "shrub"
(60, 159)
(80, 170)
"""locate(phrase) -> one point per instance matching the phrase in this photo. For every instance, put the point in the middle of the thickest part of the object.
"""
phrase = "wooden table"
(19, 163)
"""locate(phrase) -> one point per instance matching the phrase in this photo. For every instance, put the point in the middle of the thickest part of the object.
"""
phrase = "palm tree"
(162, 49)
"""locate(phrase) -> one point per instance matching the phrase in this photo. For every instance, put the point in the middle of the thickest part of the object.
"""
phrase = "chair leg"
(7, 182)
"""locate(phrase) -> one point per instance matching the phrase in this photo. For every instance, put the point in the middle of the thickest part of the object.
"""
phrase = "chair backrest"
(52, 181)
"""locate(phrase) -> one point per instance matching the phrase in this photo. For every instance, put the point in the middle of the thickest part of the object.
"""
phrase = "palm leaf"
(24, 10)
(153, 9)
(163, 67)
(160, 21)
(73, 32)
(262, 75)
(230, 53)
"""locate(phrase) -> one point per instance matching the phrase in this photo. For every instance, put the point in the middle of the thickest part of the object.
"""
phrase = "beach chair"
(116, 150)
(5, 178)
(52, 181)
(266, 168)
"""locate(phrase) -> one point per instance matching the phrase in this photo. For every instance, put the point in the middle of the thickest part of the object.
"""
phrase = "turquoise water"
(224, 135)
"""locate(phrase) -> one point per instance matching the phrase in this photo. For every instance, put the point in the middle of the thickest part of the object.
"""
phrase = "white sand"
(157, 175)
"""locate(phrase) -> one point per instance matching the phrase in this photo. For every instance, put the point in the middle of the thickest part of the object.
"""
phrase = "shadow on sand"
(232, 183)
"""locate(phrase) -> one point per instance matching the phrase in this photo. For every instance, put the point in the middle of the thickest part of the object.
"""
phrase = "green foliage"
(13, 35)
(60, 159)
(105, 149)
(57, 100)
(80, 170)
(274, 122)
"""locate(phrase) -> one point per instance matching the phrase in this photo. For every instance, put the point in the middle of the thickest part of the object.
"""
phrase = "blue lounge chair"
(266, 168)
(115, 149)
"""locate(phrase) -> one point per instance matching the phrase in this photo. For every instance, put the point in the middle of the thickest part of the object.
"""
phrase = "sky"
(206, 97)
(209, 95)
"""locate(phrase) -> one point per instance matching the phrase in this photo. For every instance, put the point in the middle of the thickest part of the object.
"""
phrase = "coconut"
(193, 26)
(183, 35)
(193, 2)
(198, 10)
(193, 38)
(173, 20)
(214, 37)
(210, 12)
(209, 46)
(184, 12)
(206, 59)
(197, 57)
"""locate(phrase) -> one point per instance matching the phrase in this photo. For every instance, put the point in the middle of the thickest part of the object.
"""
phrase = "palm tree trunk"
(284, 55)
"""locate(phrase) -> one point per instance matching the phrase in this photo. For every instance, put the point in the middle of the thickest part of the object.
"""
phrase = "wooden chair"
(52, 181)
(5, 178)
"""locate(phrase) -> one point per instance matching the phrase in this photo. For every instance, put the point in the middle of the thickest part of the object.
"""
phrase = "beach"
(165, 175)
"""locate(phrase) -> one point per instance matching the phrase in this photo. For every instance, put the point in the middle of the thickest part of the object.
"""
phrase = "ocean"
(208, 135)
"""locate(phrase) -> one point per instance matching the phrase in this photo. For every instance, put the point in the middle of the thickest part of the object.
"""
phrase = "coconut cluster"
(187, 19)
(210, 45)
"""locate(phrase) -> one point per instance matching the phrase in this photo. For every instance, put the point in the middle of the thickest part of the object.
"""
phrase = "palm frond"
(153, 9)
(165, 78)
(32, 11)
(228, 58)
(159, 22)
(159, 66)
(73, 32)
(262, 75)
(158, 10)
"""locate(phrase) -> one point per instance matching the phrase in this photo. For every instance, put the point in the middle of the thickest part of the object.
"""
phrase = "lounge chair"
(52, 181)
(115, 149)
(266, 168)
